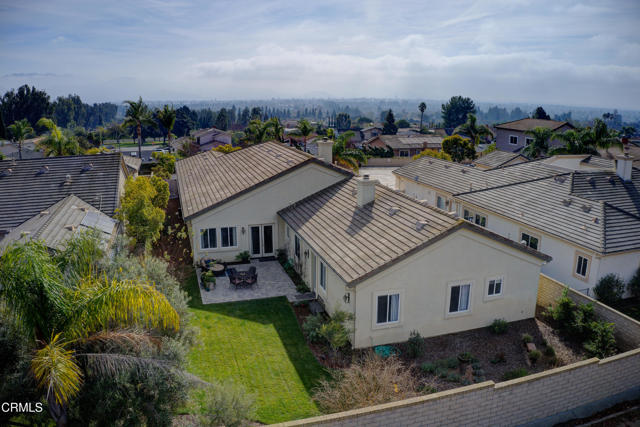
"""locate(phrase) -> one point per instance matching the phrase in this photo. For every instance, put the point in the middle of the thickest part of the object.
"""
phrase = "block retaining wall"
(521, 401)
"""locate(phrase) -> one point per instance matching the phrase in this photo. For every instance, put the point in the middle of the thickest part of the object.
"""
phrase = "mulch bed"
(175, 246)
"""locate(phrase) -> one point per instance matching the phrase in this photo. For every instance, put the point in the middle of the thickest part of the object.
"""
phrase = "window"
(530, 240)
(297, 246)
(323, 276)
(528, 141)
(388, 309)
(287, 231)
(459, 298)
(494, 286)
(441, 202)
(475, 217)
(481, 220)
(208, 238)
(228, 237)
(513, 140)
(404, 153)
(581, 266)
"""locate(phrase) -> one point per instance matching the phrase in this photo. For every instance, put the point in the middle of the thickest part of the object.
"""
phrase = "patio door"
(261, 240)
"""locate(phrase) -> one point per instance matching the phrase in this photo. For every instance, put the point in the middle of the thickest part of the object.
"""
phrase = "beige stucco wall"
(423, 283)
(260, 206)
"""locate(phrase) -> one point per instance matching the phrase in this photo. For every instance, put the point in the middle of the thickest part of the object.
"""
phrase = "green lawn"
(259, 345)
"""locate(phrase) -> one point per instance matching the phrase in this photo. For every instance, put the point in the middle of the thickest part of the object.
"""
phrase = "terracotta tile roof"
(528, 124)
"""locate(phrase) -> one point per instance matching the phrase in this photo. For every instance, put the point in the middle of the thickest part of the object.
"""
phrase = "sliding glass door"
(261, 237)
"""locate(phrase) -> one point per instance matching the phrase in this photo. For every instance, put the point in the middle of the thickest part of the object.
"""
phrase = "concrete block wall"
(547, 395)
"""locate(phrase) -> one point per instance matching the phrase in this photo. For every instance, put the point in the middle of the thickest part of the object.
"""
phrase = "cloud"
(31, 75)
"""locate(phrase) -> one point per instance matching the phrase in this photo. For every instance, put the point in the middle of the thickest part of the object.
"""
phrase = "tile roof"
(498, 158)
(34, 185)
(528, 124)
(403, 142)
(358, 242)
(209, 179)
(59, 222)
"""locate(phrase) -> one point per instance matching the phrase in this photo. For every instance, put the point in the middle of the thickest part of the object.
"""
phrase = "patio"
(272, 282)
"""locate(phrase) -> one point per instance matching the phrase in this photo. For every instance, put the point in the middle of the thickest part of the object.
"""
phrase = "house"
(510, 136)
(29, 149)
(230, 201)
(498, 159)
(578, 209)
(406, 146)
(203, 139)
(399, 265)
(31, 189)
(370, 132)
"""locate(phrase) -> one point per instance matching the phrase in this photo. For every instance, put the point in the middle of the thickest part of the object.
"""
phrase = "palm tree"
(276, 127)
(346, 157)
(19, 131)
(602, 137)
(472, 130)
(167, 118)
(58, 142)
(304, 130)
(138, 114)
(422, 107)
(540, 144)
(575, 142)
(257, 131)
(62, 314)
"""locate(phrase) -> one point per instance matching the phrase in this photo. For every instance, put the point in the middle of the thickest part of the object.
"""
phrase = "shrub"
(516, 373)
(243, 256)
(609, 289)
(311, 328)
(451, 363)
(499, 358)
(563, 312)
(499, 326)
(428, 368)
(634, 284)
(549, 351)
(415, 345)
(335, 331)
(602, 343)
(453, 378)
(428, 389)
(526, 338)
(534, 355)
(226, 405)
(370, 381)
(442, 372)
(281, 254)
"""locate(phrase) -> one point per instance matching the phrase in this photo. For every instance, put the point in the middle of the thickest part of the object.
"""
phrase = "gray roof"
(360, 242)
(529, 124)
(61, 221)
(404, 142)
(209, 179)
(499, 158)
(28, 187)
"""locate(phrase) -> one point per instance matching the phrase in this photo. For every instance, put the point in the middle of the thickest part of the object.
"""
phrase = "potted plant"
(208, 280)
(243, 257)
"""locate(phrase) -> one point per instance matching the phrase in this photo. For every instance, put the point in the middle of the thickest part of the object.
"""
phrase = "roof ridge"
(511, 184)
(621, 210)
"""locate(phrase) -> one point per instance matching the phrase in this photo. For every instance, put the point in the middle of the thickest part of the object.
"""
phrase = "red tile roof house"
(510, 136)
(406, 146)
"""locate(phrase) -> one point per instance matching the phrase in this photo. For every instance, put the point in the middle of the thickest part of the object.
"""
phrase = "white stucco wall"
(259, 206)
(423, 283)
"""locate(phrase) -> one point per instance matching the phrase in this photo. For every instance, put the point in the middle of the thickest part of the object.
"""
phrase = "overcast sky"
(555, 52)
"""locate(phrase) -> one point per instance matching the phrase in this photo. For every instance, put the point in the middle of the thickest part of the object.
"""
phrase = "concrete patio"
(273, 281)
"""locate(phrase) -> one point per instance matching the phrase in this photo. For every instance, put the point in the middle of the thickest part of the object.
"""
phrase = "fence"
(544, 398)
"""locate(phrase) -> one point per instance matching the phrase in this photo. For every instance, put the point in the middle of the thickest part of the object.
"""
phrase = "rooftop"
(498, 158)
(529, 124)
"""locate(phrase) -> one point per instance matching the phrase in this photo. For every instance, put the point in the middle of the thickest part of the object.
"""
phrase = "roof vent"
(44, 212)
(446, 166)
(67, 179)
(430, 162)
(584, 227)
(70, 227)
(88, 167)
(471, 186)
(6, 173)
(611, 179)
(44, 169)
(463, 171)
(595, 220)
(24, 233)
(591, 180)
(420, 224)
(586, 208)
(567, 202)
(416, 178)
(559, 179)
(393, 210)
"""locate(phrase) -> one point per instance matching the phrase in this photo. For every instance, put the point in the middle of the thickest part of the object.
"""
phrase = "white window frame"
(296, 242)
(288, 232)
(528, 141)
(513, 136)
(445, 202)
(588, 259)
(493, 296)
(221, 246)
(400, 153)
(374, 316)
(473, 215)
(322, 273)
(215, 232)
(530, 234)
(447, 304)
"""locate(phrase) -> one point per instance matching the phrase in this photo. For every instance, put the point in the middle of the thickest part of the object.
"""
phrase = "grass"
(259, 345)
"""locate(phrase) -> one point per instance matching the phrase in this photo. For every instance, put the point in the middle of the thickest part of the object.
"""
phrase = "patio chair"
(234, 277)
(252, 276)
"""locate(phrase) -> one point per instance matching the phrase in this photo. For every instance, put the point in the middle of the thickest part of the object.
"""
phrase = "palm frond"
(125, 339)
(56, 370)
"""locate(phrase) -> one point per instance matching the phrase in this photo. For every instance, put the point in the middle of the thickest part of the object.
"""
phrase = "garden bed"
(174, 245)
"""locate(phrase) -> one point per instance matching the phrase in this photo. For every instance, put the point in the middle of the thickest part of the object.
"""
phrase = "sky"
(556, 52)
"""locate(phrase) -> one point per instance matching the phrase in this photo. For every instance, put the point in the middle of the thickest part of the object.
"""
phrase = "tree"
(575, 142)
(364, 121)
(539, 113)
(59, 142)
(422, 108)
(454, 112)
(277, 130)
(165, 166)
(143, 209)
(403, 124)
(458, 148)
(167, 119)
(257, 131)
(304, 130)
(226, 149)
(62, 315)
(138, 114)
(432, 153)
(186, 121)
(472, 130)
(19, 130)
(346, 157)
(540, 144)
(343, 121)
(25, 103)
(389, 127)
(600, 136)
(222, 119)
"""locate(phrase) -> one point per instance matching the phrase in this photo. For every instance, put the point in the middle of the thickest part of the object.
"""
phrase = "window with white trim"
(323, 276)
(459, 298)
(582, 264)
(287, 231)
(404, 153)
(228, 237)
(296, 246)
(530, 240)
(513, 140)
(494, 286)
(475, 217)
(387, 308)
(441, 202)
(208, 238)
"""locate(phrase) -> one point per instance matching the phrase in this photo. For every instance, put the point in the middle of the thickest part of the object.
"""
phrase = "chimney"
(366, 192)
(624, 165)
(325, 150)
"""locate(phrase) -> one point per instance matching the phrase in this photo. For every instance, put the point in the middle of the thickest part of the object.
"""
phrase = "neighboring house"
(203, 139)
(406, 146)
(399, 266)
(133, 164)
(578, 209)
(370, 132)
(510, 136)
(498, 159)
(30, 187)
(230, 201)
(29, 149)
